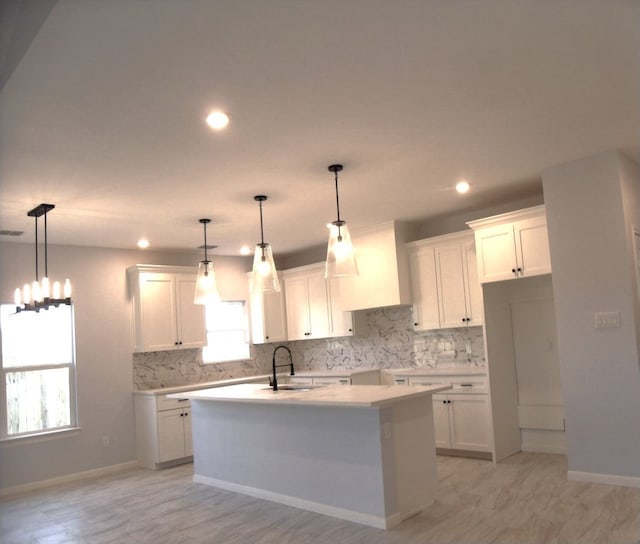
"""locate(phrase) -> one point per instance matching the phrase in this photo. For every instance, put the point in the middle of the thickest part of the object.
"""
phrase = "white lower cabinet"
(461, 422)
(163, 430)
(461, 417)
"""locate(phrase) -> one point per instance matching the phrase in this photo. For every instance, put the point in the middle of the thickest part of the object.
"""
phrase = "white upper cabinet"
(383, 268)
(512, 245)
(268, 316)
(165, 317)
(424, 288)
(444, 282)
(307, 303)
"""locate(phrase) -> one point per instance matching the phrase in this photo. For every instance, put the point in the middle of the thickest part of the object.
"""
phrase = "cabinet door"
(473, 289)
(171, 435)
(496, 253)
(424, 289)
(298, 326)
(318, 306)
(191, 326)
(469, 421)
(188, 435)
(340, 322)
(532, 246)
(159, 320)
(441, 421)
(275, 319)
(451, 286)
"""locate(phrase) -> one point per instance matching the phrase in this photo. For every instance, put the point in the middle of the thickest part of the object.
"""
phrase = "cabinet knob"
(444, 402)
(267, 337)
(175, 343)
(513, 270)
(415, 324)
(350, 330)
(519, 269)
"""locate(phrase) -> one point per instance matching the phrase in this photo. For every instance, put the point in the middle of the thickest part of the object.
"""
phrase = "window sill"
(242, 360)
(43, 436)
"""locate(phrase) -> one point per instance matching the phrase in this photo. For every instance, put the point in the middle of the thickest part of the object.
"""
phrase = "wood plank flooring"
(525, 499)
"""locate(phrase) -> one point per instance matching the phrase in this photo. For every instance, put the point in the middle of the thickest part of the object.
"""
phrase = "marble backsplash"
(390, 342)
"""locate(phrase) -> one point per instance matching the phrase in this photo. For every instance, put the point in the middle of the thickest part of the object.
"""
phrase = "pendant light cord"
(37, 247)
(46, 256)
(337, 197)
(261, 228)
(206, 260)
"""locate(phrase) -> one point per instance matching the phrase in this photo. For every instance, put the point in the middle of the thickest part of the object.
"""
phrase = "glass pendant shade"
(265, 276)
(206, 288)
(341, 260)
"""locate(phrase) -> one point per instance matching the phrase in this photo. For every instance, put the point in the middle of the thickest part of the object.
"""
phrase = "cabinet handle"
(183, 400)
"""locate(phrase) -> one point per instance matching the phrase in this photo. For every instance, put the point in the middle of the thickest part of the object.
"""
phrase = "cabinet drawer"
(329, 380)
(165, 403)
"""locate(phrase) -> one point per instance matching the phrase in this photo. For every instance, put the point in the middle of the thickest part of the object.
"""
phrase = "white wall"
(103, 354)
(589, 218)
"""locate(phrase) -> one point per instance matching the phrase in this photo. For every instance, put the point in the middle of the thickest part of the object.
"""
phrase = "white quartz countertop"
(356, 396)
(204, 385)
(253, 379)
(426, 371)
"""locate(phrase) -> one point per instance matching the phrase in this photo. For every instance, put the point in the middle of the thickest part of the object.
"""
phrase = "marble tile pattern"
(390, 342)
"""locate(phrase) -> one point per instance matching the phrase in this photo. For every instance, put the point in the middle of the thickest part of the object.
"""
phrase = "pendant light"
(206, 288)
(341, 260)
(265, 275)
(41, 294)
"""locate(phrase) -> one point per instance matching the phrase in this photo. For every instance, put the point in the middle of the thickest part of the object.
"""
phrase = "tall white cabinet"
(164, 315)
(445, 289)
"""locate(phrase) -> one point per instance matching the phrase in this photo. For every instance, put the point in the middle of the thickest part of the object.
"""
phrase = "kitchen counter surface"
(356, 396)
(204, 385)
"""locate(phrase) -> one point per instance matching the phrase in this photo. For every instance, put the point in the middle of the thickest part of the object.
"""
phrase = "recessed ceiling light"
(462, 186)
(143, 244)
(245, 250)
(217, 120)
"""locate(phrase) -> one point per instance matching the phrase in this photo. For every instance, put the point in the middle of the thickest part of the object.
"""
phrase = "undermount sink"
(295, 387)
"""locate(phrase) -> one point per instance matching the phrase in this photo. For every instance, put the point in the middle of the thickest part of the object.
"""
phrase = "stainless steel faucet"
(274, 380)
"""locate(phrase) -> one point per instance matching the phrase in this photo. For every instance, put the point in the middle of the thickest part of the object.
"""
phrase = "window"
(227, 332)
(38, 371)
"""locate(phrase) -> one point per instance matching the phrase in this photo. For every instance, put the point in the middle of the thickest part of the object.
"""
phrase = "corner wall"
(590, 255)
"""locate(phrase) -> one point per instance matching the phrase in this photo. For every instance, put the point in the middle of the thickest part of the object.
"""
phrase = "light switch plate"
(606, 320)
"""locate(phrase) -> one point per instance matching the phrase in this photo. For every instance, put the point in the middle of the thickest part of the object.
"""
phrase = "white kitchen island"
(360, 453)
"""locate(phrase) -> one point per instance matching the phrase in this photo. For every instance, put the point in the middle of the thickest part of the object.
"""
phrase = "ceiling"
(102, 112)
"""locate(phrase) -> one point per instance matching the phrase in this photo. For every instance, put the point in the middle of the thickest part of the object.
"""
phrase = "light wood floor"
(525, 499)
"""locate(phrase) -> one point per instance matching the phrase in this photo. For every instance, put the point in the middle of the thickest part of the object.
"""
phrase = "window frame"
(72, 390)
(245, 330)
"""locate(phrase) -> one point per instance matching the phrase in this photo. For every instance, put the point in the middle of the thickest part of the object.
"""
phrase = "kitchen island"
(361, 453)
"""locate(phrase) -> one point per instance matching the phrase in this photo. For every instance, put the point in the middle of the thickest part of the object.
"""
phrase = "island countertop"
(355, 396)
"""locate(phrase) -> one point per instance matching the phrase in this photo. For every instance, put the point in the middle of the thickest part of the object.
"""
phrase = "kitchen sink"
(295, 387)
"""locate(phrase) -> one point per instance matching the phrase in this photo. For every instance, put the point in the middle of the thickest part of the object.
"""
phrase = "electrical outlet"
(105, 441)
(606, 320)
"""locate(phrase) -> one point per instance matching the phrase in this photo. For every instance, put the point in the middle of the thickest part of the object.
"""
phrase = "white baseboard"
(86, 474)
(379, 522)
(608, 479)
